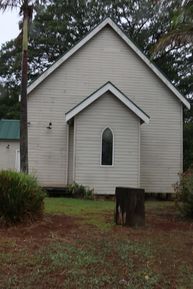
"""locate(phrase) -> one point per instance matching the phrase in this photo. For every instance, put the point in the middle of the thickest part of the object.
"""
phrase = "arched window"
(107, 148)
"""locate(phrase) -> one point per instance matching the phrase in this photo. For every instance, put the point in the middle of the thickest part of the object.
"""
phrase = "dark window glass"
(107, 147)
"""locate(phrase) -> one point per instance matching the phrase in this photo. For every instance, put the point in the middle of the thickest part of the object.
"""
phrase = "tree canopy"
(143, 21)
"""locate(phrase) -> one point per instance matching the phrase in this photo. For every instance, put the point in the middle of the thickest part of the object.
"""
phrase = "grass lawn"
(77, 245)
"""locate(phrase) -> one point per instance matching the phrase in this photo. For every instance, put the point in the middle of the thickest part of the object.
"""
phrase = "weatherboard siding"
(105, 58)
(8, 155)
(105, 112)
(71, 154)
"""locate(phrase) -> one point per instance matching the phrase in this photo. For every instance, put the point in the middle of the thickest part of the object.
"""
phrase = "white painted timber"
(100, 92)
(131, 45)
(71, 153)
(17, 161)
(84, 72)
(107, 111)
(8, 155)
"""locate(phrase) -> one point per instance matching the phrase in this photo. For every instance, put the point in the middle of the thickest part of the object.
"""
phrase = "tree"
(181, 27)
(180, 35)
(188, 145)
(141, 20)
(10, 71)
(26, 11)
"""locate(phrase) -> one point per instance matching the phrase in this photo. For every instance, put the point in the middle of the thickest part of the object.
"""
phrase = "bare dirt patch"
(41, 229)
(167, 221)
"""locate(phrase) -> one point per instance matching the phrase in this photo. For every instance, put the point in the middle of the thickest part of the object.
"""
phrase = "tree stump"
(130, 208)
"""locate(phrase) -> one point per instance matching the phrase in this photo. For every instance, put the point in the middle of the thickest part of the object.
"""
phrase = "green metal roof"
(9, 129)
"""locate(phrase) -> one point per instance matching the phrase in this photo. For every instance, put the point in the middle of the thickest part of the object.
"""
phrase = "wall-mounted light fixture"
(8, 146)
(49, 125)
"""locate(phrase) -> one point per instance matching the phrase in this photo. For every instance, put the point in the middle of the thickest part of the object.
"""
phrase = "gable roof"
(116, 92)
(89, 36)
(9, 129)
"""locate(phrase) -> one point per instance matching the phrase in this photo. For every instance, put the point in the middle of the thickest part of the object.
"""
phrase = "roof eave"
(101, 91)
(114, 26)
(9, 139)
(75, 48)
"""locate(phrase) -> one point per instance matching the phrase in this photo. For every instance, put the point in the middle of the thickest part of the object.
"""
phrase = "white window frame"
(17, 160)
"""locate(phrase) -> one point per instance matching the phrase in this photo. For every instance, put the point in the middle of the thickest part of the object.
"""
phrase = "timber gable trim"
(89, 36)
(101, 91)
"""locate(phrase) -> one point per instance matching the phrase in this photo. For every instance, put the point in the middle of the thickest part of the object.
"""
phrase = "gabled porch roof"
(108, 87)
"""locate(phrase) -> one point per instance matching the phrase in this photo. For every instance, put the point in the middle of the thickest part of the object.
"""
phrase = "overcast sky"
(8, 25)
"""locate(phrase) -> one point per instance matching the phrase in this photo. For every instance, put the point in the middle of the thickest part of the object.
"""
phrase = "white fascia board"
(148, 63)
(107, 87)
(67, 55)
(85, 103)
(127, 41)
(129, 104)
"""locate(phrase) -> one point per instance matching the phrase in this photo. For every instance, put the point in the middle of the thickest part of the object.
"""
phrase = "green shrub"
(80, 191)
(21, 198)
(184, 194)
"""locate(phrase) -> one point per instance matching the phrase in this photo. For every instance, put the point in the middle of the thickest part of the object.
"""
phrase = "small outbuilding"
(9, 144)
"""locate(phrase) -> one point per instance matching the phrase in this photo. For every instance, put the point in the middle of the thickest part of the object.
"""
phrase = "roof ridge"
(127, 40)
